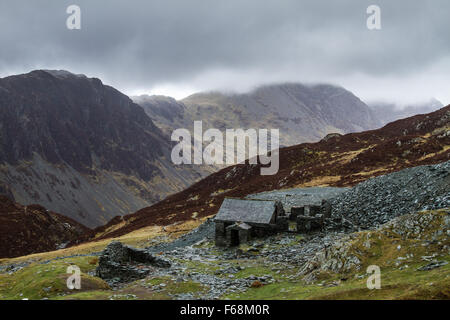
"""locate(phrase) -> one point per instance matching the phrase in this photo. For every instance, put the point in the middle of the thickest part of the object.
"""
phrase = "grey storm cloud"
(235, 45)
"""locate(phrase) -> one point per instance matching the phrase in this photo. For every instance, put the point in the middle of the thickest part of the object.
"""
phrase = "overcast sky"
(177, 47)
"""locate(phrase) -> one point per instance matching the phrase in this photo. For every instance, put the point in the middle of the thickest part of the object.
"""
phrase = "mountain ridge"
(82, 148)
(388, 112)
(303, 113)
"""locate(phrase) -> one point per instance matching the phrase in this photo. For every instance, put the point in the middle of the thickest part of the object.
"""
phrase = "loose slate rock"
(122, 263)
(433, 265)
(379, 200)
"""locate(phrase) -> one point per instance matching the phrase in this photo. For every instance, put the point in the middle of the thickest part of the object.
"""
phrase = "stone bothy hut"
(240, 220)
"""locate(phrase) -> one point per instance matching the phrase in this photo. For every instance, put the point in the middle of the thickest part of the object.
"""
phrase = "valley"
(335, 161)
(411, 246)
(388, 191)
(209, 158)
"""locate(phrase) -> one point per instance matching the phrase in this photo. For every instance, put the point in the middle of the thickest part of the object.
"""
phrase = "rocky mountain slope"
(82, 148)
(31, 229)
(302, 113)
(334, 161)
(167, 113)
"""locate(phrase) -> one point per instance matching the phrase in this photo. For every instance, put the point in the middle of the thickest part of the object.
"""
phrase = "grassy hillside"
(399, 248)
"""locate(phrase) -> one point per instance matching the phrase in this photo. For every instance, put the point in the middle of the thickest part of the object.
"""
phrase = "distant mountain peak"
(390, 111)
(81, 148)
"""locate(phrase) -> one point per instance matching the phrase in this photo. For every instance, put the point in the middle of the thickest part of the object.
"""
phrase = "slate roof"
(255, 211)
(299, 197)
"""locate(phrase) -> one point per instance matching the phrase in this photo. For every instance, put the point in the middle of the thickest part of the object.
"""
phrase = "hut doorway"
(234, 237)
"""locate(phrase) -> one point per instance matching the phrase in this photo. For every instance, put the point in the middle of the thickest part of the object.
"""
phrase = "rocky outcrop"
(337, 258)
(351, 252)
(122, 263)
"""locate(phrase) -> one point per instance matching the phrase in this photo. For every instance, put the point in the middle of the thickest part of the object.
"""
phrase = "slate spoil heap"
(381, 199)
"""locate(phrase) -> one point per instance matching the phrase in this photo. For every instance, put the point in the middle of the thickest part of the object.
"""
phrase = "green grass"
(257, 269)
(395, 284)
(170, 287)
(185, 287)
(38, 281)
(88, 295)
(209, 267)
